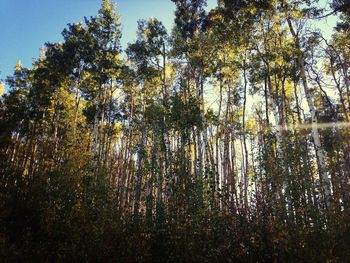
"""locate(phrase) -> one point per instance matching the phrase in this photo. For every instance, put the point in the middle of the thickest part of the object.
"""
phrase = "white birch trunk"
(315, 134)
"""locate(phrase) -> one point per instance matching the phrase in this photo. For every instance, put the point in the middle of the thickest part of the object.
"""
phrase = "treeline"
(226, 140)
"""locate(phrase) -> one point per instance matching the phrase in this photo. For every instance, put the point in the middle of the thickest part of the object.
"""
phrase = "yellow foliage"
(289, 89)
(251, 126)
(106, 5)
(118, 127)
(18, 66)
(2, 88)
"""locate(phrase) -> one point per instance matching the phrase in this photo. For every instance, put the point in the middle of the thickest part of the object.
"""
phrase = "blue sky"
(25, 25)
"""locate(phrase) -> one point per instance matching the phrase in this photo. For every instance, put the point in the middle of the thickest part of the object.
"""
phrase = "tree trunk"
(325, 181)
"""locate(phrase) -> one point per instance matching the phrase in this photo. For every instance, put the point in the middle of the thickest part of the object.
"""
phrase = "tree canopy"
(224, 139)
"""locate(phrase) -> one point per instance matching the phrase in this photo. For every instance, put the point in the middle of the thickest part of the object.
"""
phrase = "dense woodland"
(224, 140)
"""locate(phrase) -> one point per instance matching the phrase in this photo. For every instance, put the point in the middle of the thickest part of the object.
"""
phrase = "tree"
(226, 140)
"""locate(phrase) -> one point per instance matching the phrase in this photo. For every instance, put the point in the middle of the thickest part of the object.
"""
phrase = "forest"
(226, 139)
